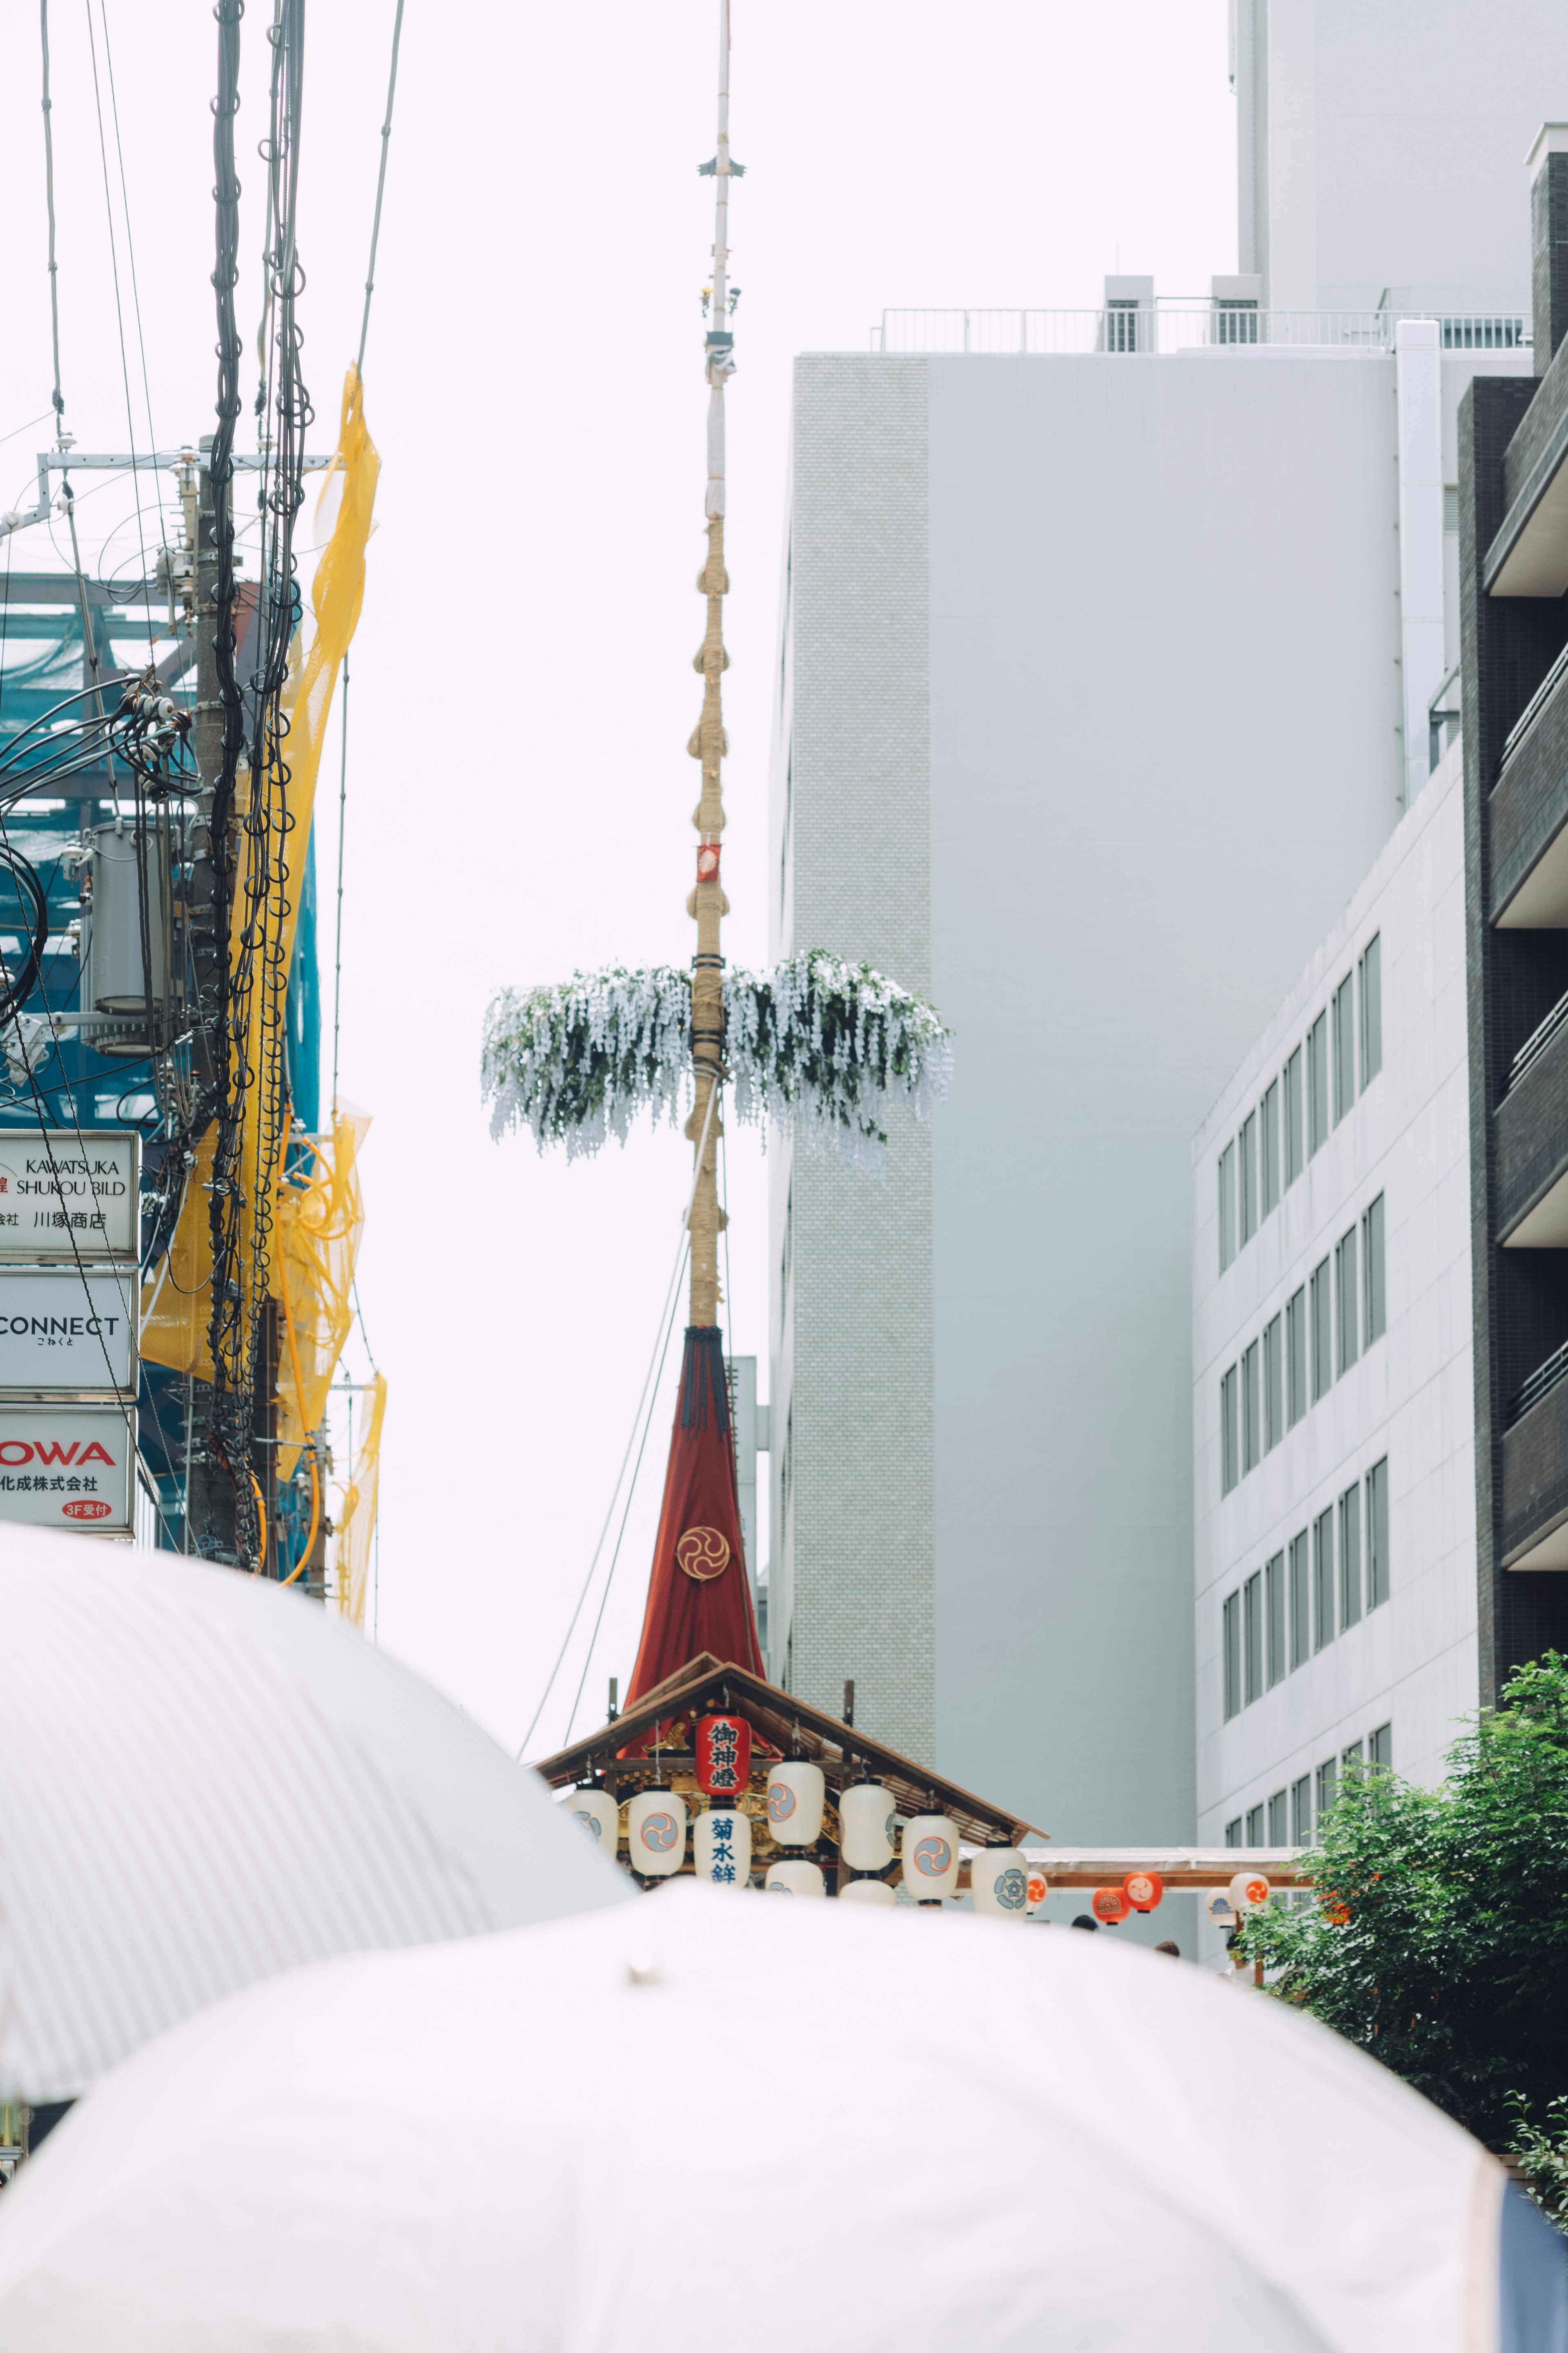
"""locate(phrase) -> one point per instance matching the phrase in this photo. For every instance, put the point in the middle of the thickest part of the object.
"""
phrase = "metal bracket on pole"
(66, 461)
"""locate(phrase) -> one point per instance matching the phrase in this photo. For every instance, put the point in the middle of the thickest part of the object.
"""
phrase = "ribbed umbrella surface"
(790, 2124)
(207, 1779)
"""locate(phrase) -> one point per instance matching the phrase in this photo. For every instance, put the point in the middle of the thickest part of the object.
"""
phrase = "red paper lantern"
(1109, 1905)
(1143, 1889)
(723, 1754)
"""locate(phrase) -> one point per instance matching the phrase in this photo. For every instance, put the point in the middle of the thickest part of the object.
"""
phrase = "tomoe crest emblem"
(703, 1554)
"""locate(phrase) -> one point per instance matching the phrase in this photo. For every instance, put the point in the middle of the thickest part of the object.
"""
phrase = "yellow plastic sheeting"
(176, 1302)
(269, 903)
(176, 1332)
(357, 1525)
(318, 1231)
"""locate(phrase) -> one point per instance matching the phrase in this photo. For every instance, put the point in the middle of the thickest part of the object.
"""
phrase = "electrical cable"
(59, 403)
(380, 189)
(342, 818)
(118, 313)
(631, 1491)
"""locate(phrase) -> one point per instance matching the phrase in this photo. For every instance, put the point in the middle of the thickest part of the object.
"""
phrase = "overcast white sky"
(519, 788)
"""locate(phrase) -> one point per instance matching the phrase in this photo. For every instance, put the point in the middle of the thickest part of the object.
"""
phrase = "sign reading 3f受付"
(64, 1195)
(65, 1467)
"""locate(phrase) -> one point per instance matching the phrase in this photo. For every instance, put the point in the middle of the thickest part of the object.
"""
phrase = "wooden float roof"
(705, 1684)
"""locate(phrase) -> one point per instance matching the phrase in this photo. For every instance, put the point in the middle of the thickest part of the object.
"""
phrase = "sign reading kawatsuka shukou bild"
(65, 1196)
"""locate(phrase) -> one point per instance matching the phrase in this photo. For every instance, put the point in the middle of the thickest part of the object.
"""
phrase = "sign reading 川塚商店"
(65, 1196)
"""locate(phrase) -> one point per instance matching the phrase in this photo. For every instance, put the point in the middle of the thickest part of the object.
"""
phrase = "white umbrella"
(717, 2116)
(206, 1779)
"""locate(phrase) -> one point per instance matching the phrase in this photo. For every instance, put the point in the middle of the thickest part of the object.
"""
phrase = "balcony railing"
(1535, 1045)
(1533, 709)
(1173, 325)
(1541, 1384)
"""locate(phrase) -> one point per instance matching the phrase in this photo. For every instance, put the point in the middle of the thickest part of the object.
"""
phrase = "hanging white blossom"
(823, 1042)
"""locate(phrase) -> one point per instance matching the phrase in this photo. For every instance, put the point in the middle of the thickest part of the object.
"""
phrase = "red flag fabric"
(700, 1596)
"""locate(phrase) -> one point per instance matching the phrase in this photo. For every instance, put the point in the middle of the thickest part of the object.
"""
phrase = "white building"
(1333, 1402)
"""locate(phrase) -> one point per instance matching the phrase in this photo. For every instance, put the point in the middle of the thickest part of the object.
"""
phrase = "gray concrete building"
(1106, 655)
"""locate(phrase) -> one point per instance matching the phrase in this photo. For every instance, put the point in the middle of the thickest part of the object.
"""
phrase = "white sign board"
(69, 1466)
(62, 1329)
(68, 1196)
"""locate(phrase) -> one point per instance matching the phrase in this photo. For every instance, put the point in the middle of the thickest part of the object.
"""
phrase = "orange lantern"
(1143, 1889)
(1109, 1905)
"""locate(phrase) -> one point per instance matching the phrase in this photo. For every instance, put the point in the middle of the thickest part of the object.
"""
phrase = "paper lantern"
(930, 1857)
(599, 1815)
(793, 1877)
(1249, 1891)
(999, 1880)
(1143, 1889)
(722, 1847)
(656, 1832)
(868, 1821)
(723, 1754)
(1109, 1905)
(866, 1891)
(1218, 1908)
(1039, 1888)
(795, 1792)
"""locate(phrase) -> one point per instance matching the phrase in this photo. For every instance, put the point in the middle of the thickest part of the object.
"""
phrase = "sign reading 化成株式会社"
(65, 1196)
(65, 1467)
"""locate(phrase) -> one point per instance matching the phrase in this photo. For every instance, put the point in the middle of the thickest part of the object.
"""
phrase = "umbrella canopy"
(884, 2129)
(207, 1779)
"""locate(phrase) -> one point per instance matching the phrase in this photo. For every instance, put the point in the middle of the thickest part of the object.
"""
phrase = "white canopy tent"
(812, 2121)
(208, 1780)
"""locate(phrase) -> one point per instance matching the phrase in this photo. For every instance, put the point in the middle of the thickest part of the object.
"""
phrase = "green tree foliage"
(1438, 1940)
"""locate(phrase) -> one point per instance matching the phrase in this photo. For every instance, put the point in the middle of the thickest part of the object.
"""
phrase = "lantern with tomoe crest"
(599, 1815)
(656, 1834)
(796, 1791)
(930, 1857)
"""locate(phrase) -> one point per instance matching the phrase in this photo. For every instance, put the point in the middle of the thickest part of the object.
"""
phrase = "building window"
(1228, 1205)
(1230, 1644)
(1255, 1815)
(1268, 1148)
(1380, 1748)
(1323, 1334)
(1301, 1812)
(1121, 326)
(1274, 1619)
(1273, 1383)
(1378, 1533)
(1295, 1357)
(1350, 1555)
(1328, 1784)
(1300, 1603)
(1323, 1579)
(1252, 1636)
(1317, 1084)
(1233, 1832)
(1371, 970)
(1353, 1755)
(1248, 1141)
(1295, 1123)
(1344, 1047)
(1229, 1434)
(1280, 1818)
(1375, 1302)
(1251, 1411)
(1345, 1302)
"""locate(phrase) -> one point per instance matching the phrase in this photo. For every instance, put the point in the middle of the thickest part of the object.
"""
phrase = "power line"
(59, 405)
(380, 187)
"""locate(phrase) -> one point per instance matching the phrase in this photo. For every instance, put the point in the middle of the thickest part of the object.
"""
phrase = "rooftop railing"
(1175, 325)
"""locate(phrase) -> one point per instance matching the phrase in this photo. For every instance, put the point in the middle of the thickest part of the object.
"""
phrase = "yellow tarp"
(317, 1232)
(174, 1332)
(356, 1523)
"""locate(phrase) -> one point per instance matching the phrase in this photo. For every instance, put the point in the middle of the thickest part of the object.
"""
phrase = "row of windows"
(1337, 1313)
(1312, 1093)
(1296, 1603)
(1287, 1818)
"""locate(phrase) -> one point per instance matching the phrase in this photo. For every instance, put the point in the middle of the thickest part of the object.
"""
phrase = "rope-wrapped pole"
(707, 904)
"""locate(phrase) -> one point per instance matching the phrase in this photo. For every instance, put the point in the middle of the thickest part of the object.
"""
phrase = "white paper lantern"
(794, 1878)
(722, 1847)
(866, 1891)
(599, 1815)
(1218, 1908)
(930, 1857)
(1249, 1891)
(656, 1832)
(1039, 1888)
(795, 1792)
(999, 1879)
(869, 1821)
